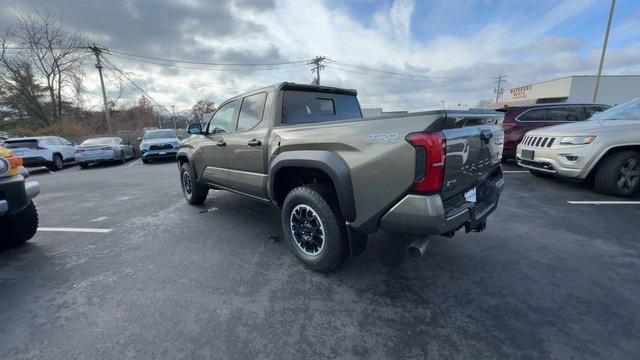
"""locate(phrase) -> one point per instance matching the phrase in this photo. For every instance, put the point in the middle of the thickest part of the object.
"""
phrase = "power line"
(268, 68)
(206, 62)
(116, 69)
(340, 63)
(378, 76)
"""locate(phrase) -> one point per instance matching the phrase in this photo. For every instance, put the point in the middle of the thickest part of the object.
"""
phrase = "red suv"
(520, 119)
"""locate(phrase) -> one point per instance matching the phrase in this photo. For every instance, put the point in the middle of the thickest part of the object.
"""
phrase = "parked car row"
(54, 151)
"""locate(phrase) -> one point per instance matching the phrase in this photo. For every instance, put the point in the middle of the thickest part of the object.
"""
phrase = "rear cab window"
(303, 107)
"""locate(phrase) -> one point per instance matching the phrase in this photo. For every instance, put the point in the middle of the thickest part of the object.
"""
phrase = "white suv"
(50, 151)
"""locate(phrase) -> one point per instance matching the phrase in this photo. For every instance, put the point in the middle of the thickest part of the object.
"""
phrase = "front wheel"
(619, 174)
(192, 191)
(314, 227)
(15, 229)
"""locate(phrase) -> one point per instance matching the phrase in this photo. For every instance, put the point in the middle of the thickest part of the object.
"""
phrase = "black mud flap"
(357, 242)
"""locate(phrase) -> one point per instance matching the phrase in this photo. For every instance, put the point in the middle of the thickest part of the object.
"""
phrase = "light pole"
(173, 116)
(604, 50)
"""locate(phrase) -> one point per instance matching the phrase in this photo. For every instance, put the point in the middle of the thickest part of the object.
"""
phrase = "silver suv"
(606, 148)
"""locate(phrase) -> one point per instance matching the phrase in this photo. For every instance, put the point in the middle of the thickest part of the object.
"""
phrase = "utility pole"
(97, 51)
(604, 49)
(498, 89)
(173, 115)
(443, 107)
(317, 66)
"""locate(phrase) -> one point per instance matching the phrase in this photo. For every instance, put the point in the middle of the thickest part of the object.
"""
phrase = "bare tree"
(55, 54)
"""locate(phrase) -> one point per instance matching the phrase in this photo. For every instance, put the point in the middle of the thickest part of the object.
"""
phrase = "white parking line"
(99, 219)
(514, 171)
(604, 202)
(136, 162)
(81, 230)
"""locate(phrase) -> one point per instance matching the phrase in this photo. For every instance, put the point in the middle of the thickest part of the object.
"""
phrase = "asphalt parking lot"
(163, 279)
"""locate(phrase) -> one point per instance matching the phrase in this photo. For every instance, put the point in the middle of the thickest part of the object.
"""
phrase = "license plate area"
(527, 154)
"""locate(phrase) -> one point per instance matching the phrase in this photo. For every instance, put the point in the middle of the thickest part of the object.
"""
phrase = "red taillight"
(508, 126)
(429, 180)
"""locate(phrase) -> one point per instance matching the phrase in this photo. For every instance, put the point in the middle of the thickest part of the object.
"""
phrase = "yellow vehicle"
(18, 215)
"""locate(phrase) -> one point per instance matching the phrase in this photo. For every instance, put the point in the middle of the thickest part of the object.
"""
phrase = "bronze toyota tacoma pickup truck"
(338, 176)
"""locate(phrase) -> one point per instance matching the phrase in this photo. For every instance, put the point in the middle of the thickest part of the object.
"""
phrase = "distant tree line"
(42, 70)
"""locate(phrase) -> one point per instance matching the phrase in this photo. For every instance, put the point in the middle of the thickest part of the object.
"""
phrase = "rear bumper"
(35, 161)
(97, 158)
(16, 194)
(427, 215)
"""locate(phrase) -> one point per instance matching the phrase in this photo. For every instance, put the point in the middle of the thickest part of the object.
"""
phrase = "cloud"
(461, 65)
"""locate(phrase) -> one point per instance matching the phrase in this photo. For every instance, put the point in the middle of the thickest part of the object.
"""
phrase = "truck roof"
(300, 87)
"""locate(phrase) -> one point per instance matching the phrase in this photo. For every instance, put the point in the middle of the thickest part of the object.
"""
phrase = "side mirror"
(194, 129)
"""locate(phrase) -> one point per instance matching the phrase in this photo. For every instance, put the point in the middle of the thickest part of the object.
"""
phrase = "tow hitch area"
(477, 227)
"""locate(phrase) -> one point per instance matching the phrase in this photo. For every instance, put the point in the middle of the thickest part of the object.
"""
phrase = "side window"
(251, 111)
(65, 142)
(565, 114)
(592, 110)
(533, 115)
(222, 120)
(53, 141)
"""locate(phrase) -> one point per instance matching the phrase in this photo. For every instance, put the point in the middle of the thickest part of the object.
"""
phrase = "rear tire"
(314, 227)
(57, 163)
(619, 174)
(16, 229)
(83, 165)
(195, 193)
(145, 161)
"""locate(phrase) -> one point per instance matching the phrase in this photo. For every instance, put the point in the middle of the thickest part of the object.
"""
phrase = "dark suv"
(520, 119)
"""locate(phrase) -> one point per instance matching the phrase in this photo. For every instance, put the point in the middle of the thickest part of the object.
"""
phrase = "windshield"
(160, 134)
(625, 111)
(99, 141)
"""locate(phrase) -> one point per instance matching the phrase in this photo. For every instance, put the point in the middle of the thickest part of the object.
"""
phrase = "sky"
(453, 49)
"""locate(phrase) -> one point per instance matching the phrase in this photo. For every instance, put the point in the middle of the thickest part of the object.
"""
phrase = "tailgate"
(473, 150)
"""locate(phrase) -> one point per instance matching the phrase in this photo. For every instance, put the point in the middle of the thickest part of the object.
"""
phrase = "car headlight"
(577, 140)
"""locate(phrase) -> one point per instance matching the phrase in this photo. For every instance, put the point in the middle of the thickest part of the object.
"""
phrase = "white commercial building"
(613, 90)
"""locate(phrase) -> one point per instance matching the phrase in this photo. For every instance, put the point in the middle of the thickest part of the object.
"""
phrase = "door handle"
(254, 142)
(221, 143)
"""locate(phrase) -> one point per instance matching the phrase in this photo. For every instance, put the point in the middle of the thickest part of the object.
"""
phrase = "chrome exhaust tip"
(418, 247)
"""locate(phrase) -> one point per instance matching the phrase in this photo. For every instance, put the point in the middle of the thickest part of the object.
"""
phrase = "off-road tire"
(321, 199)
(194, 193)
(16, 229)
(609, 172)
(540, 174)
(57, 163)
